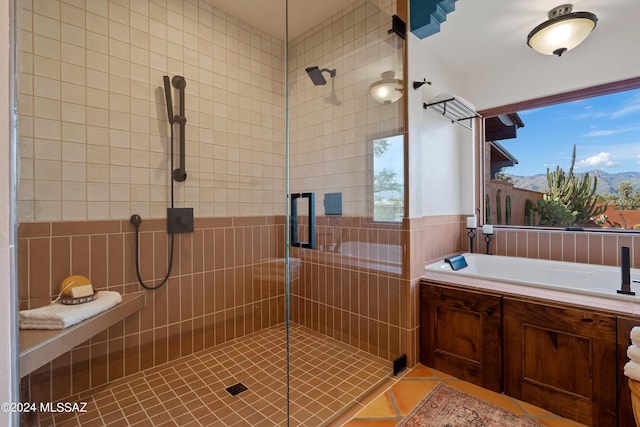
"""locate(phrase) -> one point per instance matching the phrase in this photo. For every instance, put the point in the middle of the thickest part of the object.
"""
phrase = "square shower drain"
(236, 389)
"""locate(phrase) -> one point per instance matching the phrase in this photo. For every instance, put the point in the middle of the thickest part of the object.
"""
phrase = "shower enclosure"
(285, 302)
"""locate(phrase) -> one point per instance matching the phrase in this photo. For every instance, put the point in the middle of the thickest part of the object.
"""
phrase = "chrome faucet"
(625, 267)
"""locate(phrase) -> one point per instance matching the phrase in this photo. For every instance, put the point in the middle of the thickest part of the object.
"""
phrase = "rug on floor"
(445, 406)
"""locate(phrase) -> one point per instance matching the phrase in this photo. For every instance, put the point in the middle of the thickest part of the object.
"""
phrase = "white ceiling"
(269, 15)
(483, 43)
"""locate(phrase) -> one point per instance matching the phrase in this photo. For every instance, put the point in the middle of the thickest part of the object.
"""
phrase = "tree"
(570, 196)
(624, 199)
(502, 176)
(385, 180)
(625, 189)
(380, 146)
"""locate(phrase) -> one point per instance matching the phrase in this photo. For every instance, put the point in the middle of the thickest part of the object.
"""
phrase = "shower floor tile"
(327, 378)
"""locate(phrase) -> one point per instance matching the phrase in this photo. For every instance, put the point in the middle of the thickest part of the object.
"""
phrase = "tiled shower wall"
(333, 126)
(93, 141)
(354, 293)
(227, 281)
(93, 127)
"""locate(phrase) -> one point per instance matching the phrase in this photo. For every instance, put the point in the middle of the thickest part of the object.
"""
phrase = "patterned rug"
(445, 406)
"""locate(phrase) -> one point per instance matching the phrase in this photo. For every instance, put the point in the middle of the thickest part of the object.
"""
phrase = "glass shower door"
(345, 259)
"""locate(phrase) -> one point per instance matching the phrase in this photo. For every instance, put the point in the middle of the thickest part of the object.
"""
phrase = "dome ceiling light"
(388, 89)
(562, 32)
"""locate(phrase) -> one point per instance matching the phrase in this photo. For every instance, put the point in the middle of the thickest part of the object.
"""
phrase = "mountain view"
(607, 182)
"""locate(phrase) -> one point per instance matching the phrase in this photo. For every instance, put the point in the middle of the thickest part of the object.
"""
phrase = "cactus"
(529, 207)
(507, 207)
(577, 195)
(487, 209)
(498, 208)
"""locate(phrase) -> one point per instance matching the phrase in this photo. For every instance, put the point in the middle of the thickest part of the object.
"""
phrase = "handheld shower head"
(316, 76)
(167, 94)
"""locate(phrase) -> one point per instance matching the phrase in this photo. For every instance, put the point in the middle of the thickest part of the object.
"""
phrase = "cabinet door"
(460, 334)
(561, 359)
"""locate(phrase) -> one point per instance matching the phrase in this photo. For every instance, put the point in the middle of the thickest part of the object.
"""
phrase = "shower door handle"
(311, 241)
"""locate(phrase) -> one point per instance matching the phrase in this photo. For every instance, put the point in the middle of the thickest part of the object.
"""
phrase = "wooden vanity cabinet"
(561, 359)
(461, 334)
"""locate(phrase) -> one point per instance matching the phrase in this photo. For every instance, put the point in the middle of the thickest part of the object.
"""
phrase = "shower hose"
(136, 220)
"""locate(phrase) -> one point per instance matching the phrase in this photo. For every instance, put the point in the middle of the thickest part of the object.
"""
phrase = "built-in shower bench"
(39, 346)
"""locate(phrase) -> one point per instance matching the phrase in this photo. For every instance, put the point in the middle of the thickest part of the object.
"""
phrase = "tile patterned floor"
(326, 377)
(388, 408)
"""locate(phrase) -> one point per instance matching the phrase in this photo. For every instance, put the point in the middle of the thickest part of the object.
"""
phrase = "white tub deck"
(575, 283)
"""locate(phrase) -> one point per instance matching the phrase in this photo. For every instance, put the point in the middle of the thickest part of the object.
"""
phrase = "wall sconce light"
(563, 31)
(417, 85)
(388, 89)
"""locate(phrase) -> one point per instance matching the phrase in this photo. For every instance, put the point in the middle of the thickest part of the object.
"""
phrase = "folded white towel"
(635, 335)
(632, 370)
(633, 353)
(60, 316)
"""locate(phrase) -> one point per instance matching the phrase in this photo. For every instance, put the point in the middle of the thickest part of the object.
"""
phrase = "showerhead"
(167, 94)
(316, 76)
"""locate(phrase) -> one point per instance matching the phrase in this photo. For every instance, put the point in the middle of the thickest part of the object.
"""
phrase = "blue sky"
(606, 131)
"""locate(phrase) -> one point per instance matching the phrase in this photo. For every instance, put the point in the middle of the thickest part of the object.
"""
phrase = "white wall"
(440, 152)
(6, 392)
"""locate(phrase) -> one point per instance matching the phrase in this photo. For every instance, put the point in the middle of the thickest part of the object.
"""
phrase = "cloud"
(625, 111)
(608, 132)
(600, 160)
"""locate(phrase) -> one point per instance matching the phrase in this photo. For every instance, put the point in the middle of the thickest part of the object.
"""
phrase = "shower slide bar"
(179, 83)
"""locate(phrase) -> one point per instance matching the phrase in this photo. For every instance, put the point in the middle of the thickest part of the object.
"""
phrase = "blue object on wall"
(427, 15)
(333, 204)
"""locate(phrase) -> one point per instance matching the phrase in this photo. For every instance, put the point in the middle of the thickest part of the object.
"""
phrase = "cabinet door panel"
(544, 347)
(460, 334)
(561, 359)
(467, 326)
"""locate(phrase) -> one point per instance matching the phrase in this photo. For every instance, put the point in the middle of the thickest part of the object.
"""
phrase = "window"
(568, 161)
(388, 179)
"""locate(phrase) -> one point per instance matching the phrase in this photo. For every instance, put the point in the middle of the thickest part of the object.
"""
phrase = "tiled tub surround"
(227, 281)
(429, 239)
(591, 247)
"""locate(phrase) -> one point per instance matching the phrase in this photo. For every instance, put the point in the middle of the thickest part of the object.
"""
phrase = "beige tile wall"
(93, 132)
(333, 126)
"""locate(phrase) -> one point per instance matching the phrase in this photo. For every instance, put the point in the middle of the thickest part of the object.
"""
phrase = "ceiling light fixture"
(388, 89)
(562, 32)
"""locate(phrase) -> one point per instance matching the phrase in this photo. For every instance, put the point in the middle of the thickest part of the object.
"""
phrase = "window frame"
(545, 101)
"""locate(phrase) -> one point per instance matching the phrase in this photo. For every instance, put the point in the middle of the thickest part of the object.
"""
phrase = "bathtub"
(583, 284)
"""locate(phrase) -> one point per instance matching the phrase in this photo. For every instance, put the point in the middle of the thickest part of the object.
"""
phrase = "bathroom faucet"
(625, 267)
